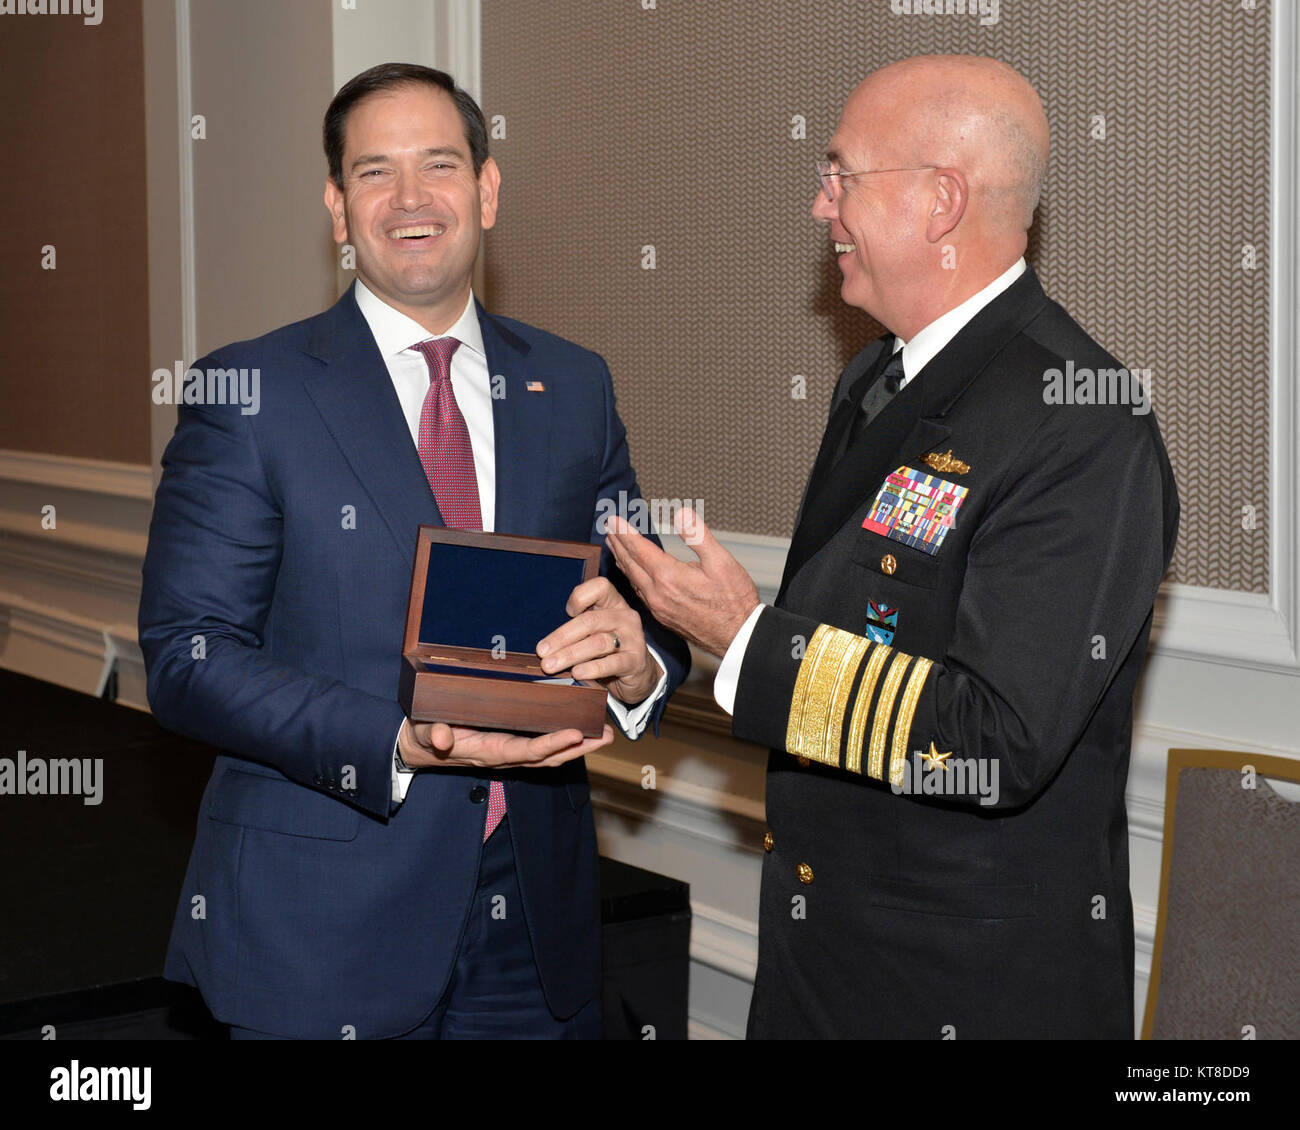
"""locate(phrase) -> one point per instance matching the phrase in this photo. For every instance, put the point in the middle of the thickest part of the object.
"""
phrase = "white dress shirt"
(395, 334)
(917, 353)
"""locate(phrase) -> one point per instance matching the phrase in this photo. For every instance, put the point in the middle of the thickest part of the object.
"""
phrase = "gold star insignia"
(935, 758)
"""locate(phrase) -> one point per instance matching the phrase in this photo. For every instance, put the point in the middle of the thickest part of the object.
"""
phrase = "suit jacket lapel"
(910, 425)
(521, 427)
(355, 397)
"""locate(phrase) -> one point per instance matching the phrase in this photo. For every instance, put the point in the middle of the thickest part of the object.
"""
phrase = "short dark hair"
(390, 76)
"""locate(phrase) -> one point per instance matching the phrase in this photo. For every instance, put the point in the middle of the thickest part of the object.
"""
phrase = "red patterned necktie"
(448, 461)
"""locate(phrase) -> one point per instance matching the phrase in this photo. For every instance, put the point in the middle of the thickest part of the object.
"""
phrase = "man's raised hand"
(705, 601)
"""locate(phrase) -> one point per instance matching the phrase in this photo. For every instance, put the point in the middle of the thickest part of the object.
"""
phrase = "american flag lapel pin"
(535, 386)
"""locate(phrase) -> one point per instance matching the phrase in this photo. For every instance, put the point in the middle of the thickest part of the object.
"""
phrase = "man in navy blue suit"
(355, 874)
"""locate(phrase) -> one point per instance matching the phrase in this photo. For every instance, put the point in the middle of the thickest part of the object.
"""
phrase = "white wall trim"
(699, 1030)
(682, 805)
(101, 511)
(62, 588)
(723, 941)
(70, 472)
(124, 657)
(1239, 629)
(1284, 403)
(1144, 940)
(55, 644)
(82, 557)
(458, 43)
(56, 627)
(185, 110)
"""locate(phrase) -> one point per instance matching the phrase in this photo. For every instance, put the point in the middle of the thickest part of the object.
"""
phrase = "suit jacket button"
(888, 564)
(478, 794)
(768, 842)
(805, 873)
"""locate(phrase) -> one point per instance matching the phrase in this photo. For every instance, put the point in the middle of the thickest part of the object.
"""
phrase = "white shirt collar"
(927, 342)
(394, 331)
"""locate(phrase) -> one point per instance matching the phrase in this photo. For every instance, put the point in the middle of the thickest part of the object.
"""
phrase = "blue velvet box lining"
(476, 597)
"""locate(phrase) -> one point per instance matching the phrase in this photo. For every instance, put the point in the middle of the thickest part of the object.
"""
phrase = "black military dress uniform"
(946, 682)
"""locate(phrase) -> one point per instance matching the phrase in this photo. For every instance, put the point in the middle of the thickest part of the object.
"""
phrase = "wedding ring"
(617, 642)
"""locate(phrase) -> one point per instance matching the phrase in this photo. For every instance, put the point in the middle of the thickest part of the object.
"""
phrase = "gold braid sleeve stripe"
(840, 695)
(794, 726)
(826, 668)
(884, 708)
(862, 707)
(903, 727)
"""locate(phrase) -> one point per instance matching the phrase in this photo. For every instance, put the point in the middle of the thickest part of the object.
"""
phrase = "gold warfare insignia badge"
(945, 464)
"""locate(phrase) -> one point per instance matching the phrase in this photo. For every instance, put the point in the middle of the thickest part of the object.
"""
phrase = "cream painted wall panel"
(261, 77)
(382, 31)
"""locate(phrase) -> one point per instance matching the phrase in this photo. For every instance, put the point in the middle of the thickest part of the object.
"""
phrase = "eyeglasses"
(825, 171)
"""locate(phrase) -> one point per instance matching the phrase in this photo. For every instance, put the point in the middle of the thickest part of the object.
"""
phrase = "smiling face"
(877, 222)
(410, 202)
(955, 146)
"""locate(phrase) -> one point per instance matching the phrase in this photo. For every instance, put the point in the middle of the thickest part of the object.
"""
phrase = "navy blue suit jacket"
(274, 631)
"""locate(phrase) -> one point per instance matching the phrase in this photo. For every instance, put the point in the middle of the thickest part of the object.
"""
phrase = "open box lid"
(472, 590)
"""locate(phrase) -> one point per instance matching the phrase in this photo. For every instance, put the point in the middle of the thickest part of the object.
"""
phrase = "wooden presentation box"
(480, 603)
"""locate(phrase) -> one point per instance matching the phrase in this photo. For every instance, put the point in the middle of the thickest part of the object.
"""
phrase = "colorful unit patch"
(915, 508)
(882, 623)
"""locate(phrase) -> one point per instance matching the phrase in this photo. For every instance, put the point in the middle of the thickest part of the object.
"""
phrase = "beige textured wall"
(672, 126)
(74, 341)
